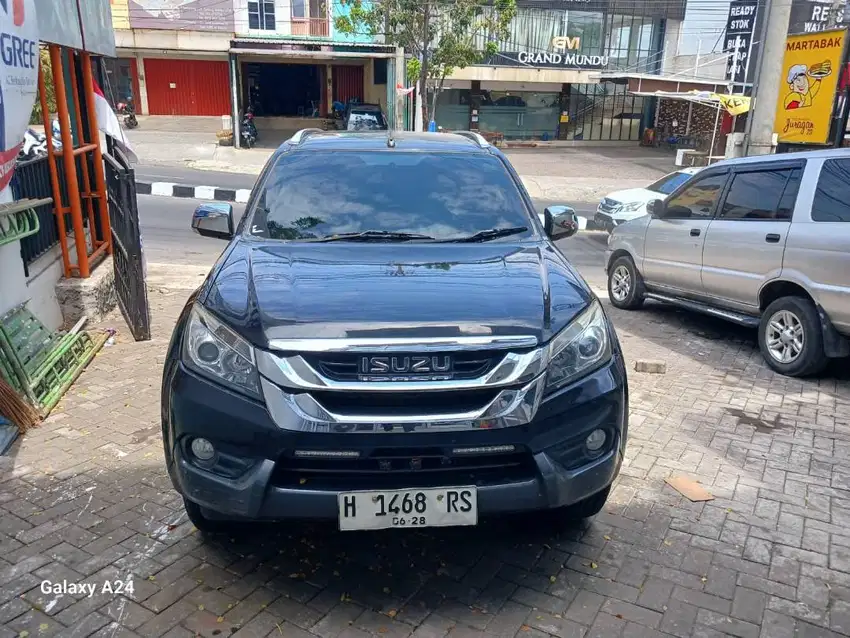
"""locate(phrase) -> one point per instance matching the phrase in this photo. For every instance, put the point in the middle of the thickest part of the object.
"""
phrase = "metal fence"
(32, 179)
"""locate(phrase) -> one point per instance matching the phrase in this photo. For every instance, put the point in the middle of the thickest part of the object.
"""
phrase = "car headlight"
(631, 207)
(214, 350)
(578, 348)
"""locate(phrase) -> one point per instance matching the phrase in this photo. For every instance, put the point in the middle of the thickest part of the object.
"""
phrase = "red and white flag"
(108, 122)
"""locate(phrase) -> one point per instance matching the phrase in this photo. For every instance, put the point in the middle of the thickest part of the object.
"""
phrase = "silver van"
(760, 241)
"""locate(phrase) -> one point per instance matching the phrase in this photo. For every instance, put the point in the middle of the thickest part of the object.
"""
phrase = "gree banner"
(810, 73)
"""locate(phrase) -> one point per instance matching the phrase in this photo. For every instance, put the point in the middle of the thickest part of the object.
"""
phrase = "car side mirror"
(214, 219)
(560, 222)
(655, 208)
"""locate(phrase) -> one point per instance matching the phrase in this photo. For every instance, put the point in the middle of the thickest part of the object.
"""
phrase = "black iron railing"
(32, 179)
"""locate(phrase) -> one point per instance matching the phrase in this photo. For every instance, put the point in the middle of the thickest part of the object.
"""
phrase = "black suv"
(390, 339)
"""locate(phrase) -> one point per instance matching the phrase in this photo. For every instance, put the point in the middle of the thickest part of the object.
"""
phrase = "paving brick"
(633, 613)
(655, 594)
(702, 600)
(605, 626)
(585, 607)
(678, 619)
(726, 624)
(85, 627)
(555, 626)
(749, 605)
(126, 612)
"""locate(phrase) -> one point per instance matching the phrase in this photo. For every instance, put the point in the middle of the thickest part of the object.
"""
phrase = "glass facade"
(596, 111)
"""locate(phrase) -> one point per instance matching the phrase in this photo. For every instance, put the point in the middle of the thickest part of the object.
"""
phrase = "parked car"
(759, 241)
(621, 206)
(365, 117)
(405, 349)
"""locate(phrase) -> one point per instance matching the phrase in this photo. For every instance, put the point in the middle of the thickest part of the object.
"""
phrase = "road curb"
(214, 193)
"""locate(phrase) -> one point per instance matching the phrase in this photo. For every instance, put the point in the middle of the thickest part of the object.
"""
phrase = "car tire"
(791, 337)
(590, 506)
(205, 525)
(625, 285)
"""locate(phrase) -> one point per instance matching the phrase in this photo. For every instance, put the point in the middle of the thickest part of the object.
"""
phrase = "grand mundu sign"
(564, 55)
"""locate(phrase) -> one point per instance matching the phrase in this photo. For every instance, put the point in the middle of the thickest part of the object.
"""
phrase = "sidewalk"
(85, 499)
(580, 174)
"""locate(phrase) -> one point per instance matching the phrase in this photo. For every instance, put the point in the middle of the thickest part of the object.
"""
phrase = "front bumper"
(258, 477)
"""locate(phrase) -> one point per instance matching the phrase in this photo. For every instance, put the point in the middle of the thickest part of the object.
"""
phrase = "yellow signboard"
(734, 104)
(120, 14)
(810, 74)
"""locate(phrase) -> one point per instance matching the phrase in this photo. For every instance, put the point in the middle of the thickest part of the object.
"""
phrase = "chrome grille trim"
(405, 344)
(295, 373)
(301, 412)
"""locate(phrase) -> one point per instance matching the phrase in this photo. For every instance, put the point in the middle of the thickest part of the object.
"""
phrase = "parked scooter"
(248, 129)
(35, 144)
(126, 109)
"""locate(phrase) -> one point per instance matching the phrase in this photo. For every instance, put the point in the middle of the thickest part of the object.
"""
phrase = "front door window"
(697, 200)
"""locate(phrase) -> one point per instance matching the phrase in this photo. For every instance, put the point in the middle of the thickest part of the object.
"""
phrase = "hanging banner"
(19, 81)
(734, 104)
(810, 73)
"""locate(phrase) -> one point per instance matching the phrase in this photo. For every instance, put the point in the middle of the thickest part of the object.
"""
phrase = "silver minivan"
(760, 241)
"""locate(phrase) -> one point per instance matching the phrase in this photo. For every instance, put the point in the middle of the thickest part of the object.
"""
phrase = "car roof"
(831, 153)
(377, 140)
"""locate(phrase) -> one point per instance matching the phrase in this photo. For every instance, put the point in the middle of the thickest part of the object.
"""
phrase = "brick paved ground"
(85, 499)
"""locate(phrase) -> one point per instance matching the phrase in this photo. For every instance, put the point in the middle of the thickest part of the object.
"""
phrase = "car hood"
(275, 290)
(635, 195)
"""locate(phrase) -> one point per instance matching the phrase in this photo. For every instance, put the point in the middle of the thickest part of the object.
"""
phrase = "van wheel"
(791, 338)
(625, 285)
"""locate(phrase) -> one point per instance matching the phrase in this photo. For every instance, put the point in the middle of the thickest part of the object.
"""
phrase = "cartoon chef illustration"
(804, 83)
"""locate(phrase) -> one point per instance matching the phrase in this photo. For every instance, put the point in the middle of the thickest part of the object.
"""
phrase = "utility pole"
(768, 78)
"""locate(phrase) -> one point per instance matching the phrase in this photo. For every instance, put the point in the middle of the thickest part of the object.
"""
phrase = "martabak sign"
(19, 79)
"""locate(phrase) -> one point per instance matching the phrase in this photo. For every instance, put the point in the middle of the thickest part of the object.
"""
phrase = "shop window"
(379, 75)
(261, 16)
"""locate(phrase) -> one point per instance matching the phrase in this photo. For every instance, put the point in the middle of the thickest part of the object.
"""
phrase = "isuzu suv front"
(391, 339)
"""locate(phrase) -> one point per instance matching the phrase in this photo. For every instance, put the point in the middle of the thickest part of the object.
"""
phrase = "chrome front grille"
(404, 385)
(342, 366)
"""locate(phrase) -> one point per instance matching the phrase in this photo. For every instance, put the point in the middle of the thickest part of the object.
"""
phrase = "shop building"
(546, 80)
(214, 57)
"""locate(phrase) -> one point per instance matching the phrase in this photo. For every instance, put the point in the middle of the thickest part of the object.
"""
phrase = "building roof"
(677, 80)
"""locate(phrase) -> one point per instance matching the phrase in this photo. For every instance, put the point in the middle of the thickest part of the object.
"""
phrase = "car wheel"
(590, 506)
(791, 337)
(625, 285)
(205, 525)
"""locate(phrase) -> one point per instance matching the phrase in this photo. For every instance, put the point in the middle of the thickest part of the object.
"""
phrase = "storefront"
(543, 83)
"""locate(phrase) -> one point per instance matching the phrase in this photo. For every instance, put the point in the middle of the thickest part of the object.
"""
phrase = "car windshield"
(669, 183)
(317, 195)
(366, 121)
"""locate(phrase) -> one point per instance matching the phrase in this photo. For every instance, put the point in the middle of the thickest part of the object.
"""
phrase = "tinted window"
(669, 183)
(832, 197)
(697, 200)
(758, 195)
(316, 194)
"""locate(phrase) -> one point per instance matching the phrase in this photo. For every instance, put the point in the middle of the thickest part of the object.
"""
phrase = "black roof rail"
(475, 137)
(303, 134)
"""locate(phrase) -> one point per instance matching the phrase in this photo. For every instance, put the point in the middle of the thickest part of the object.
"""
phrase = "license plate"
(432, 507)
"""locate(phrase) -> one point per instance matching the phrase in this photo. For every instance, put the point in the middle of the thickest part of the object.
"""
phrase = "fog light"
(595, 440)
(202, 449)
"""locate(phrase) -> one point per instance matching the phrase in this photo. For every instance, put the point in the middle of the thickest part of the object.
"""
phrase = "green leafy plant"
(439, 35)
(36, 116)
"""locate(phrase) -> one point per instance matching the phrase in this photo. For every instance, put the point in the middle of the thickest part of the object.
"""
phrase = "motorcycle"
(126, 109)
(34, 144)
(248, 129)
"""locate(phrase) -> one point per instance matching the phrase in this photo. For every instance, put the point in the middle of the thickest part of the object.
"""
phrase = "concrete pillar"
(142, 106)
(769, 79)
(329, 87)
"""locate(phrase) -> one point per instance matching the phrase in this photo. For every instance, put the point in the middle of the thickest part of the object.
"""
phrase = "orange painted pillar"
(68, 161)
(58, 205)
(100, 179)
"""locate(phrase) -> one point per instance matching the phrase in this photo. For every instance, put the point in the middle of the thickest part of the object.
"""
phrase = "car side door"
(674, 238)
(817, 254)
(745, 243)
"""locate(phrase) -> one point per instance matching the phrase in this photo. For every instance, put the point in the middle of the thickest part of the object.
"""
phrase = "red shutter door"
(187, 87)
(347, 83)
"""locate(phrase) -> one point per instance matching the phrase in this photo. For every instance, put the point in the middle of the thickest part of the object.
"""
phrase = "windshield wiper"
(493, 233)
(374, 235)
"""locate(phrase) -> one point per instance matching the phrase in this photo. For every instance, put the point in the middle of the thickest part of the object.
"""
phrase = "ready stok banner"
(18, 79)
(810, 73)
